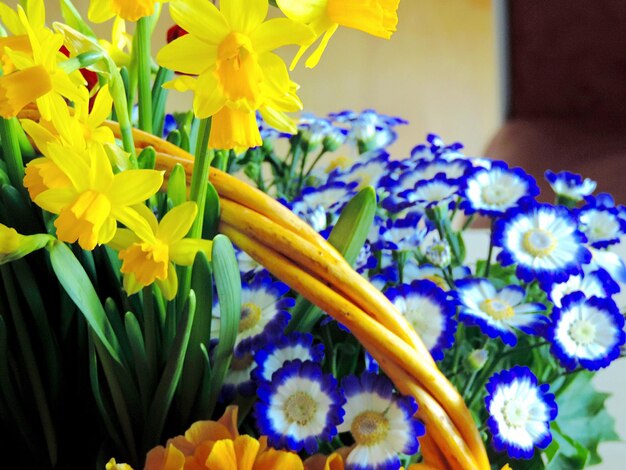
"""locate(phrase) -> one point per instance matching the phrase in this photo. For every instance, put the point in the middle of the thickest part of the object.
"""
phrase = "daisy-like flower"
(299, 406)
(436, 148)
(321, 205)
(611, 262)
(498, 313)
(570, 185)
(586, 331)
(382, 424)
(38, 76)
(365, 173)
(239, 379)
(427, 194)
(438, 253)
(264, 313)
(149, 257)
(413, 271)
(520, 411)
(453, 170)
(428, 310)
(403, 234)
(376, 17)
(493, 191)
(229, 50)
(602, 226)
(544, 242)
(596, 283)
(371, 131)
(95, 199)
(287, 348)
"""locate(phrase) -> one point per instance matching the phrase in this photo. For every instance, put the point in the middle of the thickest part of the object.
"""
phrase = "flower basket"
(123, 297)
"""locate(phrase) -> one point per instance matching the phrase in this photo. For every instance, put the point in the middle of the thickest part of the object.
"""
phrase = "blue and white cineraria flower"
(430, 313)
(382, 424)
(452, 170)
(520, 411)
(402, 234)
(313, 130)
(428, 194)
(264, 313)
(593, 284)
(320, 206)
(238, 379)
(570, 185)
(369, 129)
(493, 191)
(364, 173)
(602, 226)
(498, 313)
(287, 348)
(543, 241)
(435, 147)
(586, 331)
(299, 406)
(611, 262)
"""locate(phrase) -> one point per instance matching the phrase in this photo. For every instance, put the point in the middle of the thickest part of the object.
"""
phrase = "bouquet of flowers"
(132, 330)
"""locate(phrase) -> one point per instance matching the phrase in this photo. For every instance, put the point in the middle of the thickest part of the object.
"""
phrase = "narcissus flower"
(89, 208)
(103, 10)
(38, 76)
(14, 246)
(113, 465)
(376, 17)
(150, 256)
(229, 50)
(210, 445)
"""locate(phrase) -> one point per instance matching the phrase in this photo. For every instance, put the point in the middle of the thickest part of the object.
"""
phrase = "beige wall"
(438, 71)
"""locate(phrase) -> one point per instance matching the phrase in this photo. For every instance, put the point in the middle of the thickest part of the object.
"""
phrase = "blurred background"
(541, 84)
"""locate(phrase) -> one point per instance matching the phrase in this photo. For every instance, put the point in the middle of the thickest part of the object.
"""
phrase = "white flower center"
(497, 309)
(539, 242)
(300, 408)
(370, 428)
(495, 194)
(515, 414)
(582, 332)
(250, 316)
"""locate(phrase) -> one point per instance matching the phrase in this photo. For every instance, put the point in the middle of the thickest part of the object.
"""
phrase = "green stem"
(12, 152)
(144, 73)
(468, 222)
(120, 103)
(490, 252)
(200, 175)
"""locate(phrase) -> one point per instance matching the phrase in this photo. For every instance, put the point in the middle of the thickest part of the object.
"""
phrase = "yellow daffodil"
(38, 76)
(131, 10)
(96, 198)
(74, 127)
(120, 46)
(19, 40)
(14, 246)
(210, 445)
(376, 17)
(113, 465)
(150, 256)
(229, 50)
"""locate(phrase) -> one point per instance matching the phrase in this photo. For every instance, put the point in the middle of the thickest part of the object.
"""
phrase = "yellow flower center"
(147, 261)
(83, 219)
(250, 316)
(539, 242)
(239, 72)
(495, 194)
(497, 309)
(300, 408)
(515, 414)
(132, 10)
(582, 332)
(370, 428)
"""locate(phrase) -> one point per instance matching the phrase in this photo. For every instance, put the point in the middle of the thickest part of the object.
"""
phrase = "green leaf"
(164, 394)
(211, 213)
(228, 283)
(139, 358)
(76, 283)
(583, 421)
(147, 159)
(348, 236)
(159, 98)
(177, 185)
(72, 18)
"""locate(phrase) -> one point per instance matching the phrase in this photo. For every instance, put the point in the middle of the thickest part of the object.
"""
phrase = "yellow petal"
(244, 15)
(209, 98)
(107, 232)
(183, 83)
(200, 18)
(279, 32)
(188, 54)
(278, 120)
(232, 128)
(145, 212)
(40, 135)
(36, 12)
(132, 286)
(272, 458)
(183, 252)
(100, 171)
(132, 187)
(376, 17)
(201, 431)
(54, 200)
(133, 10)
(315, 57)
(63, 85)
(113, 465)
(278, 89)
(9, 18)
(177, 222)
(70, 163)
(230, 420)
(21, 88)
(246, 449)
(169, 285)
(123, 239)
(102, 106)
(304, 11)
(100, 11)
(134, 221)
